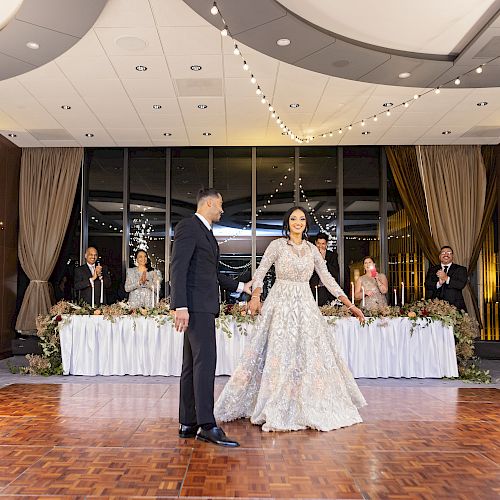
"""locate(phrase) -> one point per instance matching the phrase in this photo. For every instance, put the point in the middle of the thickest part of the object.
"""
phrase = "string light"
(237, 51)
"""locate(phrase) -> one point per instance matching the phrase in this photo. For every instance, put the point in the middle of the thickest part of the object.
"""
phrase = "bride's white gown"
(291, 376)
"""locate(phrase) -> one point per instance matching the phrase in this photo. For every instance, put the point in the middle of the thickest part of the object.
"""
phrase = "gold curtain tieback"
(39, 281)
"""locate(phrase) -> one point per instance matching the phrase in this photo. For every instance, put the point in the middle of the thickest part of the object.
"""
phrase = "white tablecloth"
(92, 345)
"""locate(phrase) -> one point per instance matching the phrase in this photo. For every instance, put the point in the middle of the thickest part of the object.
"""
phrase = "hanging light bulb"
(340, 130)
(350, 127)
(245, 66)
(437, 91)
(253, 79)
(214, 10)
(479, 70)
(273, 115)
(457, 81)
(406, 104)
(282, 125)
(263, 100)
(388, 113)
(375, 118)
(236, 51)
(278, 121)
(223, 31)
(271, 109)
(258, 91)
(416, 96)
(363, 123)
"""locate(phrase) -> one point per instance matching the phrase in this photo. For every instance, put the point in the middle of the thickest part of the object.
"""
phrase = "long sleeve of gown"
(324, 275)
(268, 259)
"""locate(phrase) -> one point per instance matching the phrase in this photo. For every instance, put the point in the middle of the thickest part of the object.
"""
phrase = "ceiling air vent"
(195, 87)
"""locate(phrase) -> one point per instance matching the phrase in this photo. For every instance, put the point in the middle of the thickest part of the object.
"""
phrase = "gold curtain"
(454, 181)
(404, 166)
(48, 181)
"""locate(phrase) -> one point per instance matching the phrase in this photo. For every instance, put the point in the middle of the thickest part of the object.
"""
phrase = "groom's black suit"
(82, 284)
(195, 281)
(451, 292)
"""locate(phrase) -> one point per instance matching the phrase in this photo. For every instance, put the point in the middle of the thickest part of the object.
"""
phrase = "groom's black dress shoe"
(188, 431)
(216, 436)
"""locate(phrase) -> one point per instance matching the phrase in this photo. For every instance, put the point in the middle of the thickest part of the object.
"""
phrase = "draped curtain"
(48, 181)
(404, 166)
(454, 182)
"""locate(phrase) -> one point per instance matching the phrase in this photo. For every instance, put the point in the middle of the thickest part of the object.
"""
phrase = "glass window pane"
(233, 178)
(189, 174)
(105, 211)
(275, 195)
(318, 191)
(361, 209)
(147, 173)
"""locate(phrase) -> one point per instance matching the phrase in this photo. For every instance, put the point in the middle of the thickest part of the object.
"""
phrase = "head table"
(386, 347)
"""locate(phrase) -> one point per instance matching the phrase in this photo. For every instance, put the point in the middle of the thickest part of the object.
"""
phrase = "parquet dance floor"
(83, 440)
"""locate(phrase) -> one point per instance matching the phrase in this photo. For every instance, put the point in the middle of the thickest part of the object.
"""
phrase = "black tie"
(445, 269)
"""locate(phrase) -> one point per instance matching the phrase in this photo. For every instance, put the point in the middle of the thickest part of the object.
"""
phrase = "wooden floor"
(120, 440)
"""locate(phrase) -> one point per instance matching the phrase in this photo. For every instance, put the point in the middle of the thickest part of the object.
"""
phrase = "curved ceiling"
(260, 23)
(33, 22)
(426, 27)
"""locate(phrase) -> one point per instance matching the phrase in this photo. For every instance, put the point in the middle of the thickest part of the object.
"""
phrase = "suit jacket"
(82, 284)
(332, 263)
(194, 275)
(451, 292)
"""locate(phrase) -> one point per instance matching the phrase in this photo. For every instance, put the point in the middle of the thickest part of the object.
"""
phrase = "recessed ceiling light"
(202, 106)
(206, 134)
(294, 105)
(167, 134)
(482, 103)
(88, 134)
(388, 104)
(366, 132)
(33, 45)
(141, 68)
(12, 135)
(405, 74)
(283, 42)
(65, 106)
(156, 106)
(195, 67)
(446, 132)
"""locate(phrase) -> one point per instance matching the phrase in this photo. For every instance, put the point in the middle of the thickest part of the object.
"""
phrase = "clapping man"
(92, 279)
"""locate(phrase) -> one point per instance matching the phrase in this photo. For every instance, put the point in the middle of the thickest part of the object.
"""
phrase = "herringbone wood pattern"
(120, 441)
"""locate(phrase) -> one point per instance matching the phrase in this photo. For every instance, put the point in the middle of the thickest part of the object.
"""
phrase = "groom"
(195, 281)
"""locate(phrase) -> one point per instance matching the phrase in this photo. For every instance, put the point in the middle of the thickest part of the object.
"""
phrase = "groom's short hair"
(206, 193)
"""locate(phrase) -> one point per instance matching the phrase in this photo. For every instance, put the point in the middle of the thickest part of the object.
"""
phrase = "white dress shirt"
(438, 284)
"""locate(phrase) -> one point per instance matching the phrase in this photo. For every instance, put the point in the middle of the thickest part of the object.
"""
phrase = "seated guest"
(324, 296)
(446, 280)
(92, 276)
(373, 284)
(141, 280)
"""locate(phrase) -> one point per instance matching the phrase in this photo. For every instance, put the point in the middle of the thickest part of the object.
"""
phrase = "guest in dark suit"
(92, 274)
(195, 281)
(332, 263)
(446, 280)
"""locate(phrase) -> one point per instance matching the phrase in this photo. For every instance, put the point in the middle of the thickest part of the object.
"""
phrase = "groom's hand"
(181, 320)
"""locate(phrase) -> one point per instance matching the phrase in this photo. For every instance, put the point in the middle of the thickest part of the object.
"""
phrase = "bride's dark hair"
(149, 265)
(286, 222)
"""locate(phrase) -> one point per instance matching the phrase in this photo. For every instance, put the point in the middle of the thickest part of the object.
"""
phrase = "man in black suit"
(446, 280)
(332, 264)
(195, 281)
(92, 275)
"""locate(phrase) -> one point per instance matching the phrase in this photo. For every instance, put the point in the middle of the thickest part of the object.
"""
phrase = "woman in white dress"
(291, 376)
(142, 281)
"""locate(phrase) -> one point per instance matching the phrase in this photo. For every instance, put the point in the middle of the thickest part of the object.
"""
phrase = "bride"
(291, 376)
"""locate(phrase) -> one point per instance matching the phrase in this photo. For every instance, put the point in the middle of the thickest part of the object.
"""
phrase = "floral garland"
(423, 311)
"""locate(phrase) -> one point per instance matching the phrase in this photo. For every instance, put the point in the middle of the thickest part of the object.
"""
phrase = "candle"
(395, 297)
(157, 289)
(317, 301)
(153, 296)
(102, 290)
(402, 293)
(352, 292)
(362, 296)
(93, 297)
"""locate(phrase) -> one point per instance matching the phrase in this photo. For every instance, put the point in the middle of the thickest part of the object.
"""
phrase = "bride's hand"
(358, 314)
(254, 306)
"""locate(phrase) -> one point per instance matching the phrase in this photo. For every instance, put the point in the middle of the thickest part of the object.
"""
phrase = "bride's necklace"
(295, 244)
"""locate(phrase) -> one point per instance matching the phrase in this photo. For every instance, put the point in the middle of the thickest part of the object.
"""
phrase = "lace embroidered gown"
(291, 376)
